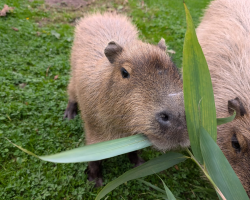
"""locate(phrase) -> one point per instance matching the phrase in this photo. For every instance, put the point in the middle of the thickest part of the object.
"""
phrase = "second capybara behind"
(224, 35)
(123, 87)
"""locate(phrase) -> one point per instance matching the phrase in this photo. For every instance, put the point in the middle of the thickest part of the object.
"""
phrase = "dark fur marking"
(236, 104)
(112, 51)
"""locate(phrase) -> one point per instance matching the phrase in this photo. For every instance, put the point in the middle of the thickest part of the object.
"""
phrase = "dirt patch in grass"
(67, 3)
(69, 11)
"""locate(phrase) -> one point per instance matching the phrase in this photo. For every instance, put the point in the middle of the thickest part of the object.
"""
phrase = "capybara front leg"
(71, 110)
(95, 172)
(135, 159)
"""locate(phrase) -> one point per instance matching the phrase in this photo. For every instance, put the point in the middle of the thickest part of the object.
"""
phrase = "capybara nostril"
(164, 119)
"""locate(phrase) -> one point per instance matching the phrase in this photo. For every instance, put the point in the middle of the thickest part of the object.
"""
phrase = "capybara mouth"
(166, 142)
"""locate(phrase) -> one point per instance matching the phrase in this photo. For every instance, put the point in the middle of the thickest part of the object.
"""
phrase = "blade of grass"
(151, 167)
(198, 91)
(163, 196)
(98, 151)
(152, 186)
(203, 168)
(208, 191)
(220, 170)
(225, 120)
(168, 192)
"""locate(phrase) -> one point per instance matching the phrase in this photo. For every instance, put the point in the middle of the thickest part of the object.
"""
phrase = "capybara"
(224, 35)
(123, 87)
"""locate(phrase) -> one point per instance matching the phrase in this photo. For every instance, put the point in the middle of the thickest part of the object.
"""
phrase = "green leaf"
(168, 192)
(151, 167)
(160, 196)
(225, 120)
(163, 196)
(24, 150)
(198, 91)
(98, 151)
(152, 186)
(220, 170)
(1, 133)
(54, 33)
(211, 192)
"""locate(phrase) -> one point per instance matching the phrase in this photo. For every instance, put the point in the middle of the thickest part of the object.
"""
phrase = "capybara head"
(234, 140)
(143, 94)
(225, 40)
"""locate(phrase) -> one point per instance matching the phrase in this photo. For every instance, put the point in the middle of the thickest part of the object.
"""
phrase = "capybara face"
(225, 40)
(147, 89)
(236, 147)
(234, 140)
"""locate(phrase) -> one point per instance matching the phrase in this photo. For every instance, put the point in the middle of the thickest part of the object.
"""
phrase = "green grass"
(32, 116)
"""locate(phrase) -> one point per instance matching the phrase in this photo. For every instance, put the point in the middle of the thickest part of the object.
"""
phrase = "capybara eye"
(164, 117)
(125, 73)
(235, 143)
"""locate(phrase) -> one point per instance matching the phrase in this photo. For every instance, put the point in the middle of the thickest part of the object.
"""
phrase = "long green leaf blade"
(225, 120)
(164, 197)
(24, 150)
(97, 151)
(168, 192)
(198, 91)
(151, 167)
(220, 170)
(152, 186)
(210, 192)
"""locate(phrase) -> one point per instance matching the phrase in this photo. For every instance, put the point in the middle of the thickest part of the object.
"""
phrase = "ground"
(35, 42)
(75, 4)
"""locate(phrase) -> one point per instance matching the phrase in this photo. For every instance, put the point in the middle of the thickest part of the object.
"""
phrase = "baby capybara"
(123, 87)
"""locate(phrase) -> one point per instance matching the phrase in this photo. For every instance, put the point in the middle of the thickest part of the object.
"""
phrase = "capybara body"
(224, 35)
(123, 86)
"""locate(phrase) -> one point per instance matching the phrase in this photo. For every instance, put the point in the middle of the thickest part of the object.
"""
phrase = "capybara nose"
(164, 119)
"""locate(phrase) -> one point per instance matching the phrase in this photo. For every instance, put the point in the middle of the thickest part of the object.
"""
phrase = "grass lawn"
(35, 42)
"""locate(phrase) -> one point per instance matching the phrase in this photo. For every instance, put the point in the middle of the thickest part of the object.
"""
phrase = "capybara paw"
(71, 110)
(135, 159)
(97, 181)
(139, 162)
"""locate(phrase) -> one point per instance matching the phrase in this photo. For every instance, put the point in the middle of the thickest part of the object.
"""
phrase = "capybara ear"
(112, 51)
(162, 44)
(236, 104)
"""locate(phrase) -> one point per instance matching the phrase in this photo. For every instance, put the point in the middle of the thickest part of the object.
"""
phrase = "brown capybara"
(224, 35)
(123, 86)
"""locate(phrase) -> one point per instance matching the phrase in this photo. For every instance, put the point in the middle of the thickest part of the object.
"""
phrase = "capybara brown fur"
(123, 87)
(224, 35)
